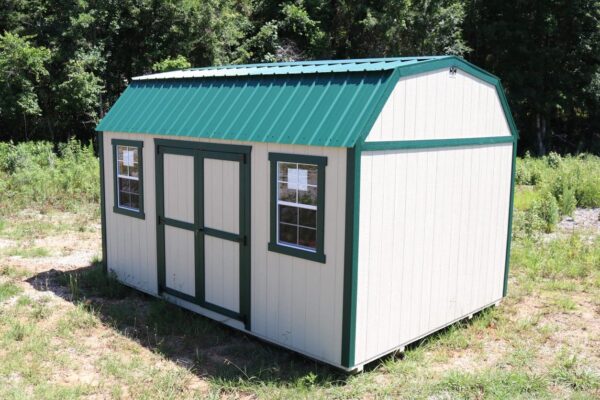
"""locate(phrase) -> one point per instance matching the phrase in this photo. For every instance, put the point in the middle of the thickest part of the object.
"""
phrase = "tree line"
(64, 62)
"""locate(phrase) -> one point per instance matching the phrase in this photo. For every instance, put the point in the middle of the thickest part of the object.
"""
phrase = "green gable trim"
(140, 146)
(434, 143)
(274, 246)
(100, 139)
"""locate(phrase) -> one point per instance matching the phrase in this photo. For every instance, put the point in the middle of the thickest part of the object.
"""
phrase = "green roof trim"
(315, 103)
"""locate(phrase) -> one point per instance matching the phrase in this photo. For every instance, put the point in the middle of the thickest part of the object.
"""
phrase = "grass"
(80, 333)
(27, 252)
(8, 290)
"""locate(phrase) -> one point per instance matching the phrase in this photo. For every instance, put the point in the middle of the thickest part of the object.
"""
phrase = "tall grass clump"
(38, 175)
(554, 186)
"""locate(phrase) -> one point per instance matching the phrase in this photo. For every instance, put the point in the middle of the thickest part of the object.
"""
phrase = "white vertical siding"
(294, 302)
(432, 240)
(131, 242)
(435, 105)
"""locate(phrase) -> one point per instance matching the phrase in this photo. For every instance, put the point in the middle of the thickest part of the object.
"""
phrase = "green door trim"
(201, 151)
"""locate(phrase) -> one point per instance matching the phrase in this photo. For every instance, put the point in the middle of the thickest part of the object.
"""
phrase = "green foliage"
(33, 175)
(572, 257)
(566, 200)
(493, 384)
(547, 211)
(80, 93)
(91, 50)
(8, 290)
(22, 67)
(171, 64)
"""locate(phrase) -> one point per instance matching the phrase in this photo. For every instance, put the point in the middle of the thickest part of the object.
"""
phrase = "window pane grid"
(127, 172)
(297, 198)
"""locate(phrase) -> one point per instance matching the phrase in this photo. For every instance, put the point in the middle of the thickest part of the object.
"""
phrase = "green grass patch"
(565, 304)
(8, 290)
(493, 384)
(568, 370)
(563, 258)
(80, 317)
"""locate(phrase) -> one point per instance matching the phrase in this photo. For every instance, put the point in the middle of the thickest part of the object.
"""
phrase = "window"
(297, 205)
(128, 178)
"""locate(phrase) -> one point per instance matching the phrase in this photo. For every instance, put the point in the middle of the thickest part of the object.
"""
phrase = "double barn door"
(203, 216)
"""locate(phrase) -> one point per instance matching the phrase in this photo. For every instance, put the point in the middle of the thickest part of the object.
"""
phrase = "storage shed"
(341, 209)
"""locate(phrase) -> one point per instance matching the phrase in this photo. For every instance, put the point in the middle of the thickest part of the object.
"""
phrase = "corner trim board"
(510, 219)
(101, 159)
(351, 258)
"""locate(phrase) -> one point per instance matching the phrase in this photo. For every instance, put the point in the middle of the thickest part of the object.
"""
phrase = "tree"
(548, 54)
(22, 68)
(171, 64)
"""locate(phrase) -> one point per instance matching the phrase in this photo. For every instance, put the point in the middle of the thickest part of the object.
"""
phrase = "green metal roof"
(318, 103)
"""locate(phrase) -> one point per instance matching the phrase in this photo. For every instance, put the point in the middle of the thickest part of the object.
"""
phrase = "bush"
(529, 171)
(547, 210)
(527, 224)
(567, 201)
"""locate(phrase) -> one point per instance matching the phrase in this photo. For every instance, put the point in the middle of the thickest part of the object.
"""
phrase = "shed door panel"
(177, 222)
(222, 195)
(179, 187)
(222, 273)
(221, 191)
(180, 260)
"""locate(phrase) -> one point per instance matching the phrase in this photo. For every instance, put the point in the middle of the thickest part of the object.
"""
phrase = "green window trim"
(120, 210)
(274, 246)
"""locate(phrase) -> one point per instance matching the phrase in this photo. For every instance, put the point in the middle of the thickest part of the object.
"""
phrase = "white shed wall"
(432, 240)
(131, 242)
(436, 105)
(294, 302)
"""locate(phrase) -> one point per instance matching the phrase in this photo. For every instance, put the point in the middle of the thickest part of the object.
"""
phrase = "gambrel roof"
(316, 103)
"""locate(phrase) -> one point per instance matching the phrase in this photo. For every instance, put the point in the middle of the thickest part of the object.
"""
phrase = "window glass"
(297, 205)
(128, 179)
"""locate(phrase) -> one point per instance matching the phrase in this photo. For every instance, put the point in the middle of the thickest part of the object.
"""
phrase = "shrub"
(547, 210)
(567, 201)
(554, 160)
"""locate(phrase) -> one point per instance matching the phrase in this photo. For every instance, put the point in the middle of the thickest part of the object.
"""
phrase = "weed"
(546, 208)
(569, 371)
(80, 317)
(8, 290)
(565, 304)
